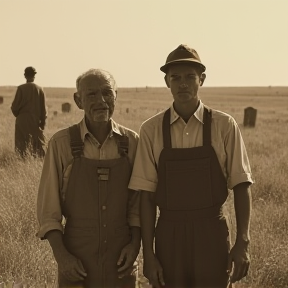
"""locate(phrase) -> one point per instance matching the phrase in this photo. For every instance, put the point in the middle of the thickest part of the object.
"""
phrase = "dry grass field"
(25, 258)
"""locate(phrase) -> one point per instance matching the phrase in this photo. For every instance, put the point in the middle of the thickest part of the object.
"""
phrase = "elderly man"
(30, 111)
(187, 158)
(85, 182)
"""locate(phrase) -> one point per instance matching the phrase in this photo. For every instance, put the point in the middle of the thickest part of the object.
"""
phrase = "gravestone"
(250, 114)
(66, 107)
(1, 100)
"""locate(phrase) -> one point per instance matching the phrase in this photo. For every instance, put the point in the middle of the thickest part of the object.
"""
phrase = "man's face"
(184, 82)
(97, 97)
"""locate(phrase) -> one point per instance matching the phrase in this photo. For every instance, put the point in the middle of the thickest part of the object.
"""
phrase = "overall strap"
(123, 145)
(76, 142)
(207, 117)
(166, 129)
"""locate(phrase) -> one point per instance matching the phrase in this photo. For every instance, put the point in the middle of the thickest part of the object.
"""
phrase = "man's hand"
(240, 260)
(127, 258)
(153, 271)
(70, 267)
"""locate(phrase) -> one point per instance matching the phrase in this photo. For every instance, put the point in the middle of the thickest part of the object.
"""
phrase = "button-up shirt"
(57, 168)
(225, 137)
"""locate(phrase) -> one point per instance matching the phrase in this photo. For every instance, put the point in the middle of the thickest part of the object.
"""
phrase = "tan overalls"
(96, 211)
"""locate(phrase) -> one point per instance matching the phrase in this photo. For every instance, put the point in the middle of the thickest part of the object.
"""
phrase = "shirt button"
(187, 133)
(103, 207)
(104, 225)
(105, 241)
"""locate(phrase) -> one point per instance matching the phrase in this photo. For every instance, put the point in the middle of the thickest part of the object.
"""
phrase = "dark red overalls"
(191, 240)
(95, 207)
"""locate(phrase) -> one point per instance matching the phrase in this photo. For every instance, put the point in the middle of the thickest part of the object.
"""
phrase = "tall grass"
(23, 256)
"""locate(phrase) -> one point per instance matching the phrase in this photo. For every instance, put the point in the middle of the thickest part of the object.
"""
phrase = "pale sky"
(241, 42)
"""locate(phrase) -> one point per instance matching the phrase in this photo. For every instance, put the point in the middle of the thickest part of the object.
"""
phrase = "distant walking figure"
(30, 111)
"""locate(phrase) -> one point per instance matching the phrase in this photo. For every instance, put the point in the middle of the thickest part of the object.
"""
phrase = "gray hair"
(97, 72)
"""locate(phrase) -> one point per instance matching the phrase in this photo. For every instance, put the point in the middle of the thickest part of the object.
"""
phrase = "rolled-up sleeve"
(237, 164)
(49, 213)
(144, 175)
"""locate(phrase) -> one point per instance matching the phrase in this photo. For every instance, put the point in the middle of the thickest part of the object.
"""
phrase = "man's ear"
(202, 78)
(167, 80)
(78, 100)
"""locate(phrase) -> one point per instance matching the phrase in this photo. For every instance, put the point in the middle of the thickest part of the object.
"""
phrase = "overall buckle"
(103, 173)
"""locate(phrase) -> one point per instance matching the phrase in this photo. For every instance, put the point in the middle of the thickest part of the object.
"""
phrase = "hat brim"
(164, 68)
(30, 73)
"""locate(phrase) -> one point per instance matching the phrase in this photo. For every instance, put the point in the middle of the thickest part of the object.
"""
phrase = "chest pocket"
(188, 184)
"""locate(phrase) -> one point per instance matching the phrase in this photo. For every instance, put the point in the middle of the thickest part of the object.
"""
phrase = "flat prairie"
(24, 258)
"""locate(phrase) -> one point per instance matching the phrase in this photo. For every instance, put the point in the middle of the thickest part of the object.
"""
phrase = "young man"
(29, 109)
(85, 180)
(187, 158)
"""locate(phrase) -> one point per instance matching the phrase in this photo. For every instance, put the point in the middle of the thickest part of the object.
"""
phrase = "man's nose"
(183, 85)
(99, 98)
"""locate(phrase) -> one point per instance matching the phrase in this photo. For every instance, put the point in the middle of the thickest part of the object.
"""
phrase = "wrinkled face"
(97, 97)
(184, 80)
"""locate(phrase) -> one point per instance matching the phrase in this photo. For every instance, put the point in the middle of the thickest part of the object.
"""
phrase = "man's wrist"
(148, 254)
(135, 236)
(243, 240)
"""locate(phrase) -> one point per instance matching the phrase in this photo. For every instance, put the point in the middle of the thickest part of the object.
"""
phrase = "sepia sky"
(241, 42)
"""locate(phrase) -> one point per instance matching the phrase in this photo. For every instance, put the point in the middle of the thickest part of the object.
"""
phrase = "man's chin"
(100, 120)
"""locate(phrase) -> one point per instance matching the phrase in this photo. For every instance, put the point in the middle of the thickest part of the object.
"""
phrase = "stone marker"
(55, 113)
(250, 117)
(127, 110)
(1, 100)
(66, 107)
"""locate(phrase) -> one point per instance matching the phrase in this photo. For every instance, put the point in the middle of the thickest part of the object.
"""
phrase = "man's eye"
(107, 93)
(192, 76)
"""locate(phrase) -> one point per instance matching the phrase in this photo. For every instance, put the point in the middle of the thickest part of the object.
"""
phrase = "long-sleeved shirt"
(57, 167)
(225, 137)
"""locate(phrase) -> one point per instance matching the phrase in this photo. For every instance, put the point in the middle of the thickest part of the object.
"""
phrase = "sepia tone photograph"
(143, 144)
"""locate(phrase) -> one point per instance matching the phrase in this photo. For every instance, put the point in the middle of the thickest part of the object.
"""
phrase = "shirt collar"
(84, 130)
(198, 113)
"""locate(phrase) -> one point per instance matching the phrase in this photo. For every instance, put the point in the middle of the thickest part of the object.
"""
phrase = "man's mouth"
(99, 114)
(100, 109)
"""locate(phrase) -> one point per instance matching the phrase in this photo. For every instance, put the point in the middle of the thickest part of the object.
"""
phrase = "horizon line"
(160, 87)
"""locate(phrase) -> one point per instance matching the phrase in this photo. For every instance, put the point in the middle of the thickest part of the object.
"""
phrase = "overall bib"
(95, 208)
(192, 237)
